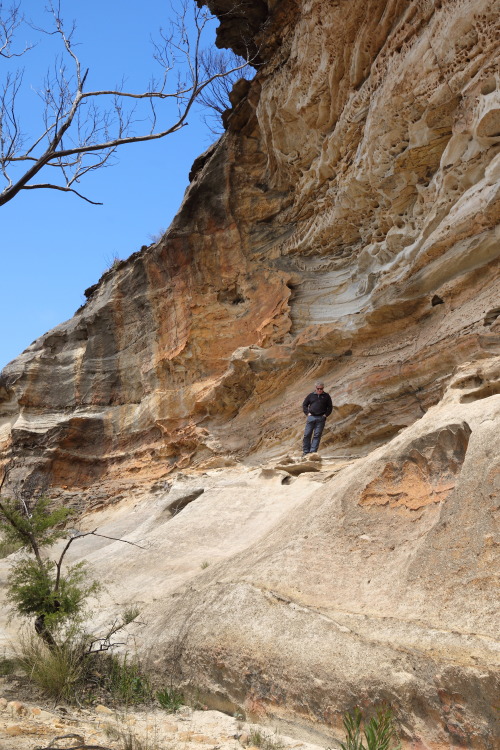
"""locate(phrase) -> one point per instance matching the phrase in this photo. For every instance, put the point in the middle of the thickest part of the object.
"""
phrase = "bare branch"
(79, 125)
(113, 538)
(104, 641)
(10, 20)
(216, 97)
(81, 536)
(48, 186)
(55, 746)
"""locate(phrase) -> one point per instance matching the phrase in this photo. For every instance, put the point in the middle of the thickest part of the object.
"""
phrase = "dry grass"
(59, 672)
(264, 740)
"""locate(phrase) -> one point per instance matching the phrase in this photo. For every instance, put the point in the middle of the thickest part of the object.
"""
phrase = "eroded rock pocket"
(425, 473)
(178, 499)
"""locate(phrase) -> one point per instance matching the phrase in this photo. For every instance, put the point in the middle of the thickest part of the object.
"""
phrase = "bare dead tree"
(216, 98)
(82, 129)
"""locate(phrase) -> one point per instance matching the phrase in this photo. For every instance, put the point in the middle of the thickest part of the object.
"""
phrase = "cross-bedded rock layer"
(345, 227)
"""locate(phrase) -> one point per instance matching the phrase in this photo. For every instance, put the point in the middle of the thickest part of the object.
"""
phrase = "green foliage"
(380, 732)
(20, 524)
(38, 587)
(7, 666)
(125, 680)
(71, 671)
(170, 699)
(352, 726)
(8, 547)
(64, 661)
(32, 590)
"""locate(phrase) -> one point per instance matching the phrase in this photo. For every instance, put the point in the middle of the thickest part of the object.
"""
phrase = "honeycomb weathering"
(345, 227)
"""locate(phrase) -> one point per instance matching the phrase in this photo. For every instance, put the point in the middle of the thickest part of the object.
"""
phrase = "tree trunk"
(44, 633)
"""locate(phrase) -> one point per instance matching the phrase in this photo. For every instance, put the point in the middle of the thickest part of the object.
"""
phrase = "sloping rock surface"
(345, 227)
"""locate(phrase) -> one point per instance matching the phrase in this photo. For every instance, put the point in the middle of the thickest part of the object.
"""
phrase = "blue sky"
(53, 245)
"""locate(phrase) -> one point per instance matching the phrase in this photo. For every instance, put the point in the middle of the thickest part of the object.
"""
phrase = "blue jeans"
(314, 429)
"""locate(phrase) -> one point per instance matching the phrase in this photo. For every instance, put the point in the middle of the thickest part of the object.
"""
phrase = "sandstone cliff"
(345, 227)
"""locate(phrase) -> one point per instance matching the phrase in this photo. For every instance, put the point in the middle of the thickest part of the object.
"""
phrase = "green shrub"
(65, 656)
(170, 699)
(39, 587)
(124, 679)
(33, 590)
(379, 732)
(8, 666)
(70, 672)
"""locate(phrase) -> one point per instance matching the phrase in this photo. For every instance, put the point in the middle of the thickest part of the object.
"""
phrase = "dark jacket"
(317, 404)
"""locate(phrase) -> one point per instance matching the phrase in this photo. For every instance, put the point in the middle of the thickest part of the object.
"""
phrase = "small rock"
(16, 707)
(243, 738)
(68, 740)
(170, 727)
(298, 468)
(44, 715)
(77, 739)
(203, 738)
(100, 709)
(15, 730)
(185, 736)
(3, 704)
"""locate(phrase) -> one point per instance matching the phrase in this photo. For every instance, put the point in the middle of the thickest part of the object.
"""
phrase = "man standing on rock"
(317, 407)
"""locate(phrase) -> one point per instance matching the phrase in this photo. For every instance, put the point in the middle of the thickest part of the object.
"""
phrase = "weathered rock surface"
(345, 227)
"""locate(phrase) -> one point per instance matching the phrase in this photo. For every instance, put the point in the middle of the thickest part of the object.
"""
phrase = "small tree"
(37, 586)
(41, 588)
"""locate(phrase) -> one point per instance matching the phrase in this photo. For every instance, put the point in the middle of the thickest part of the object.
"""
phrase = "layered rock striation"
(344, 227)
